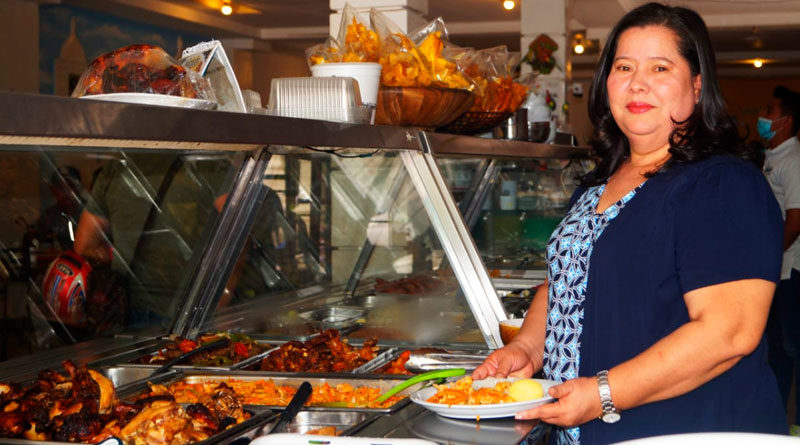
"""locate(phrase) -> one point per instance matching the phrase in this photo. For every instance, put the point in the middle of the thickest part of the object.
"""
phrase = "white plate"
(493, 411)
(163, 100)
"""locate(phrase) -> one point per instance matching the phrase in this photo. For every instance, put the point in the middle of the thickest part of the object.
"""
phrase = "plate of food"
(163, 100)
(484, 399)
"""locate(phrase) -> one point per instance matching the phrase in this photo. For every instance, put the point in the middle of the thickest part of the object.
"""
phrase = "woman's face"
(650, 86)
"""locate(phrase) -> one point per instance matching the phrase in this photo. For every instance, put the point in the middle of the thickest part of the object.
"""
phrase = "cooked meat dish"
(138, 69)
(82, 407)
(241, 347)
(326, 352)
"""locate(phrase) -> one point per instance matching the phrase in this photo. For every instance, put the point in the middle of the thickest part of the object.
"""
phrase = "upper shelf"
(29, 119)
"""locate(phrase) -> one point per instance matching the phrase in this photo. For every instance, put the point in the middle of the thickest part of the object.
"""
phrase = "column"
(547, 17)
(407, 14)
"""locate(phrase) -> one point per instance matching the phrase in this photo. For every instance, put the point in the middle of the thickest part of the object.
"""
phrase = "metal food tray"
(377, 362)
(345, 422)
(244, 429)
(381, 382)
(238, 365)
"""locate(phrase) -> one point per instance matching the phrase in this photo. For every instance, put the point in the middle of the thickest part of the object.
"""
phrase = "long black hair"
(709, 130)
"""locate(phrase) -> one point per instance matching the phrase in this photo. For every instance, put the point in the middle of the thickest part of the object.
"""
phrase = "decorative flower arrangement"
(540, 54)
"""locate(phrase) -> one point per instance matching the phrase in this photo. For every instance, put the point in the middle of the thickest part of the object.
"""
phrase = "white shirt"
(782, 168)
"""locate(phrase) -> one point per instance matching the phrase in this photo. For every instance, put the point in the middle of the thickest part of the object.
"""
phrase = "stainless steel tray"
(333, 317)
(345, 422)
(239, 365)
(381, 382)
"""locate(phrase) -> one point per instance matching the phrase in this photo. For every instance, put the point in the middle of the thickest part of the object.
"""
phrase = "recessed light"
(227, 9)
(758, 63)
(509, 4)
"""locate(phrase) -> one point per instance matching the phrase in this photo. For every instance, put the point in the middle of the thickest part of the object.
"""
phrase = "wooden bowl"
(428, 107)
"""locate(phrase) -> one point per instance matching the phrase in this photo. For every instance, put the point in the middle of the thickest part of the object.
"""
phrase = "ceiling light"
(509, 4)
(758, 63)
(578, 48)
(226, 9)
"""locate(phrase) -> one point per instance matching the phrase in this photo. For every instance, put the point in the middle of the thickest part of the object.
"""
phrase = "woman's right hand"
(514, 359)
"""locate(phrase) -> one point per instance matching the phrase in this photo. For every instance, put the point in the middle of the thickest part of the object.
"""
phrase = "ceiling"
(741, 29)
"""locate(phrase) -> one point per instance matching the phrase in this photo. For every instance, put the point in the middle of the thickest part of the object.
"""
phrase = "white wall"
(19, 46)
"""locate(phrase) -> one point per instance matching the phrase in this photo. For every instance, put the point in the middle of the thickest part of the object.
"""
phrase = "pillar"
(547, 17)
(407, 14)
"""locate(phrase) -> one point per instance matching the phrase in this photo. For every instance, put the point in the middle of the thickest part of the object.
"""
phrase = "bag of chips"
(403, 64)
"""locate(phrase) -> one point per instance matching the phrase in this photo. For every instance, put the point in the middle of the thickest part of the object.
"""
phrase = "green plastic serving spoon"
(430, 375)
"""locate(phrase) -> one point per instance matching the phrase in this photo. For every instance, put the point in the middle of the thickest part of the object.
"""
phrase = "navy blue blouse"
(696, 225)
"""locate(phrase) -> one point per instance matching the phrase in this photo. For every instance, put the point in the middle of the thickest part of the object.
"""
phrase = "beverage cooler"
(342, 255)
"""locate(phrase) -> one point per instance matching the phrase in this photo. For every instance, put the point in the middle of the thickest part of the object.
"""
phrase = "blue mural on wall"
(98, 34)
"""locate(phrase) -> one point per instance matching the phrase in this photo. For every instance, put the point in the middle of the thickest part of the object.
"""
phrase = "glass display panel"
(523, 202)
(364, 257)
(97, 241)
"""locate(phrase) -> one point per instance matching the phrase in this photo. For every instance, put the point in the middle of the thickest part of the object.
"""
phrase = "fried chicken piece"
(108, 397)
(13, 423)
(224, 403)
(78, 427)
(202, 418)
(158, 424)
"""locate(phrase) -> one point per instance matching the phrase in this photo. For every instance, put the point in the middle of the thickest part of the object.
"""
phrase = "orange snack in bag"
(403, 65)
(445, 73)
(361, 43)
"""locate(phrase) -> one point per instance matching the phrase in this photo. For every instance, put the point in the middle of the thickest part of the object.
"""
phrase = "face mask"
(764, 128)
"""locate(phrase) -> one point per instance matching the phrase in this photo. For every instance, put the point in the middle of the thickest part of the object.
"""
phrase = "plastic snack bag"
(432, 40)
(359, 43)
(403, 64)
(326, 52)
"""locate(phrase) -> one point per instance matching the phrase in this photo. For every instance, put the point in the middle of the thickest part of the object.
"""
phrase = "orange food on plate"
(267, 392)
(461, 392)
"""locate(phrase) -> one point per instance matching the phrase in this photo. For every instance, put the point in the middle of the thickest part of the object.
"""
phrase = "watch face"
(611, 417)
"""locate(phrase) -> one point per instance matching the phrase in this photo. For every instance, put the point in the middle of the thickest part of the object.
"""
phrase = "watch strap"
(610, 413)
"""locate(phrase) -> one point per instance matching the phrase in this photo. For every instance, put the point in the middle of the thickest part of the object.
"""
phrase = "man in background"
(778, 125)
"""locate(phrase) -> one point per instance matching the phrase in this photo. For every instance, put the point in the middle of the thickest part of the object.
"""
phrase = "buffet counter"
(299, 246)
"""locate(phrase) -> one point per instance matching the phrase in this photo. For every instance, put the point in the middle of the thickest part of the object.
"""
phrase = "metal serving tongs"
(432, 361)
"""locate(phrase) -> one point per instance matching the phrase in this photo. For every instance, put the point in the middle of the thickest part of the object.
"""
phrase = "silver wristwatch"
(610, 413)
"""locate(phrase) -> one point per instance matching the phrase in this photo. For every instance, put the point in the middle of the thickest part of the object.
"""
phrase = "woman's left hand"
(578, 402)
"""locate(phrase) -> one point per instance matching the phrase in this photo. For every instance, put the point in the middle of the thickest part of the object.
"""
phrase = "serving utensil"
(297, 402)
(432, 375)
(188, 355)
(432, 361)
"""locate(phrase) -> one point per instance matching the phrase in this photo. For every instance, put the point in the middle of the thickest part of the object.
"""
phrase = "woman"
(663, 270)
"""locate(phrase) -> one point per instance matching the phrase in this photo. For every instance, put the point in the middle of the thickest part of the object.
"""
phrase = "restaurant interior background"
(46, 44)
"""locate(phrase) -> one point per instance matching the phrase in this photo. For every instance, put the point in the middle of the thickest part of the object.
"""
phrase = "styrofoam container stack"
(325, 98)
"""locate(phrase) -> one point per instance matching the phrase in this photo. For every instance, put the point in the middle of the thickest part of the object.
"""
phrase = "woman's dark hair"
(709, 130)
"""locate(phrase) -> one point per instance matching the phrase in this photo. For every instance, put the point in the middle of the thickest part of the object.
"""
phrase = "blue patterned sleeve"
(728, 226)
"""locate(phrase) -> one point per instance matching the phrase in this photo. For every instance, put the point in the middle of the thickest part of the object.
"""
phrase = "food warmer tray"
(383, 382)
(245, 429)
(346, 423)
